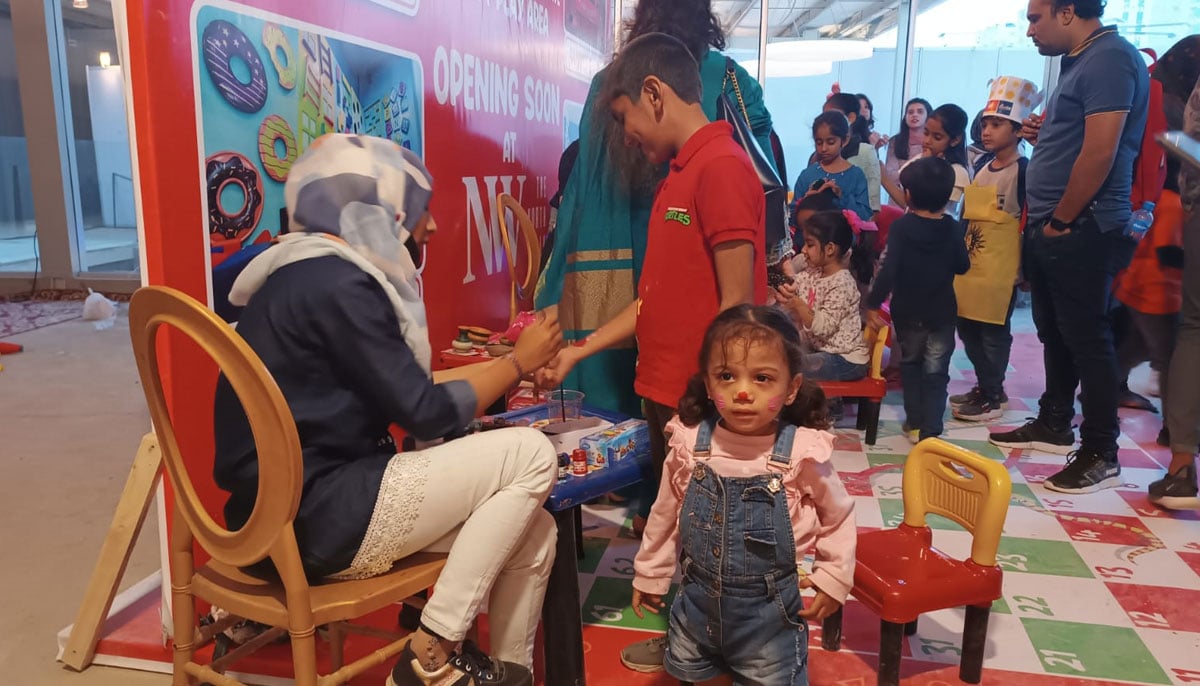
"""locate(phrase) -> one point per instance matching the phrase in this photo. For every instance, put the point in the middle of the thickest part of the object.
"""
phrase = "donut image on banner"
(268, 86)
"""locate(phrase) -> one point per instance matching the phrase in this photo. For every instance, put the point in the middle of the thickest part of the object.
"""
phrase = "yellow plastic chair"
(291, 605)
(900, 575)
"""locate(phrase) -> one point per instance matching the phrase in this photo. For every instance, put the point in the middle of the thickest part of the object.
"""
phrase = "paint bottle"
(579, 465)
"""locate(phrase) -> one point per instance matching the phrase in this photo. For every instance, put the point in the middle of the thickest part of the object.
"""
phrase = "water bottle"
(1140, 222)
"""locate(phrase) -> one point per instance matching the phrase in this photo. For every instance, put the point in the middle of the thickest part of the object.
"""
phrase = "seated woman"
(333, 312)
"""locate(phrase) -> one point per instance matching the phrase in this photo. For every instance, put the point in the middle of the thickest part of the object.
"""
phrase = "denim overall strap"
(704, 434)
(781, 454)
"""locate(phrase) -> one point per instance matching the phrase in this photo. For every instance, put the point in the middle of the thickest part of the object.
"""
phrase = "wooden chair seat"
(266, 602)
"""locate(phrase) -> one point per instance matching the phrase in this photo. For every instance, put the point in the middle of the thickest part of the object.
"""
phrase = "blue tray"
(576, 490)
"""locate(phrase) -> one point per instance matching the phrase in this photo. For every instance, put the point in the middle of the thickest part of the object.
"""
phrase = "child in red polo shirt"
(706, 243)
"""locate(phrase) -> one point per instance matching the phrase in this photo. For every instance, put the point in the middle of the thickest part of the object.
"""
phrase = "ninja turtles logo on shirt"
(678, 214)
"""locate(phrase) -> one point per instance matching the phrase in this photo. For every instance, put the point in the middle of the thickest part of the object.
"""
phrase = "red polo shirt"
(711, 196)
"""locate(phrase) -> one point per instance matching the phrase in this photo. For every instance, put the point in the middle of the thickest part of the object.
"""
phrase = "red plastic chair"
(900, 575)
(869, 390)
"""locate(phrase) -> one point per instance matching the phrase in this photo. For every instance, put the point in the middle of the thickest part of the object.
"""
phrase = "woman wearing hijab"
(600, 236)
(332, 309)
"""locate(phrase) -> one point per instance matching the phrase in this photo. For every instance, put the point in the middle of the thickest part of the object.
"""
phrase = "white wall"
(110, 137)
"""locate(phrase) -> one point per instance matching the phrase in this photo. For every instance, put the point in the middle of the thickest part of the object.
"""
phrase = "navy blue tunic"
(328, 334)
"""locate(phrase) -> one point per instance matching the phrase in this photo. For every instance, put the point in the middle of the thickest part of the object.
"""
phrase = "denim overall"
(736, 611)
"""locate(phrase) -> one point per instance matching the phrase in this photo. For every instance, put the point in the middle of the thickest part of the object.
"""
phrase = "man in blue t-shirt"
(1079, 183)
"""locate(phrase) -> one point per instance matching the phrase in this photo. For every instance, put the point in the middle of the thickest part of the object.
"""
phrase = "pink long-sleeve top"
(822, 513)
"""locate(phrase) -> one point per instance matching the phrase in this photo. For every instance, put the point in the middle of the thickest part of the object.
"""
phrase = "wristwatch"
(1060, 225)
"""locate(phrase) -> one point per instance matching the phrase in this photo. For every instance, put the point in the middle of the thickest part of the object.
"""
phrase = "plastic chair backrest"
(878, 345)
(280, 461)
(523, 287)
(965, 487)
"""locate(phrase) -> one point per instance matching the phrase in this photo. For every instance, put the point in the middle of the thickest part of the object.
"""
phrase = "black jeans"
(1070, 279)
(924, 373)
(989, 346)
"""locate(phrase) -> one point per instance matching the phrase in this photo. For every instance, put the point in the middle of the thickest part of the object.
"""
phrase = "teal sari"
(600, 242)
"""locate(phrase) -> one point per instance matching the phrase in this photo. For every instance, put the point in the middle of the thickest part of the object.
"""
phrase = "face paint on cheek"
(775, 403)
(719, 402)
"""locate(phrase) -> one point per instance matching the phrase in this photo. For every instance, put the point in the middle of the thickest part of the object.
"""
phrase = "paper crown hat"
(1012, 98)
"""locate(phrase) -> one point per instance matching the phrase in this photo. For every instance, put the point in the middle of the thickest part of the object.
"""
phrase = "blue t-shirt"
(1108, 76)
(853, 183)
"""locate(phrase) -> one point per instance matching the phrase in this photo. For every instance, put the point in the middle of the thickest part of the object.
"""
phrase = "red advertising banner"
(227, 94)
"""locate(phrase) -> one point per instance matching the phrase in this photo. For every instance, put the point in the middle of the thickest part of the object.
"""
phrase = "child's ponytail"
(809, 408)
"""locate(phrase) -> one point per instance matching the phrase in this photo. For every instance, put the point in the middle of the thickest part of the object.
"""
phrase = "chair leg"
(861, 415)
(872, 420)
(337, 646)
(304, 657)
(970, 669)
(184, 613)
(910, 629)
(891, 638)
(831, 631)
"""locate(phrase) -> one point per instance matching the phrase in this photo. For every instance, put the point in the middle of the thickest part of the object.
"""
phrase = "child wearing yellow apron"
(992, 208)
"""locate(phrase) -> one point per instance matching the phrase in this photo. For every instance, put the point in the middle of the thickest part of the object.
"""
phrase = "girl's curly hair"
(691, 21)
(743, 326)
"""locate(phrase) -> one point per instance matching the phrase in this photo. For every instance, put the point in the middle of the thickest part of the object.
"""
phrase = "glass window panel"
(98, 140)
(18, 238)
(854, 44)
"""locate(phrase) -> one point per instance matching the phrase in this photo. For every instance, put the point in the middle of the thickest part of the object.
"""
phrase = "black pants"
(1070, 280)
(989, 346)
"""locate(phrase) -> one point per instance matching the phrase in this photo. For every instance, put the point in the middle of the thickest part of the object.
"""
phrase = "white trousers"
(478, 498)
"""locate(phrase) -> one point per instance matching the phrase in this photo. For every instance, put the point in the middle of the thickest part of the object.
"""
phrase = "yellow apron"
(994, 245)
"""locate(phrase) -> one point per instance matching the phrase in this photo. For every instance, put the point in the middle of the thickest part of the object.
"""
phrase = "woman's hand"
(821, 607)
(831, 185)
(651, 602)
(539, 343)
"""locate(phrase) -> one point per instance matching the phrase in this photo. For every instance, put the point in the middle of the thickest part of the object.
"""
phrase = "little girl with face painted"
(747, 491)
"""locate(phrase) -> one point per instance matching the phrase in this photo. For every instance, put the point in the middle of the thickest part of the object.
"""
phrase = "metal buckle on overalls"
(698, 472)
(775, 484)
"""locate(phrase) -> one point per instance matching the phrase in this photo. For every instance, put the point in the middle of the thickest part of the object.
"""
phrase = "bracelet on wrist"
(512, 357)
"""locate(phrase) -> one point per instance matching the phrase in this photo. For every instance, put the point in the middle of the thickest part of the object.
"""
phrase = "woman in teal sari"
(600, 238)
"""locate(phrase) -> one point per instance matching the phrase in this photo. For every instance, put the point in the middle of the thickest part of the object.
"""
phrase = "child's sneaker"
(1087, 471)
(1177, 491)
(645, 656)
(470, 666)
(975, 396)
(1035, 435)
(913, 435)
(980, 409)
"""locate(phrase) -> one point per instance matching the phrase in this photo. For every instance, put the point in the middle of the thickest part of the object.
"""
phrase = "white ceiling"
(860, 19)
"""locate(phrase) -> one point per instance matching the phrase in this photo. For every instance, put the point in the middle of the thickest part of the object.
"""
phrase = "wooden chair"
(290, 604)
(522, 288)
(869, 390)
(900, 575)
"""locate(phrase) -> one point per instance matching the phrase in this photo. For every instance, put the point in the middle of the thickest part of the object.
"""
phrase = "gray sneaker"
(980, 410)
(1087, 471)
(645, 656)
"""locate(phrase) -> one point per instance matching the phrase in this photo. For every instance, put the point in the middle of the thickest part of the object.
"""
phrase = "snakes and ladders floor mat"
(1098, 588)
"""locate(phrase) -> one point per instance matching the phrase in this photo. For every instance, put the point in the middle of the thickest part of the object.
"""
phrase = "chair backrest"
(965, 487)
(280, 463)
(878, 341)
(522, 287)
